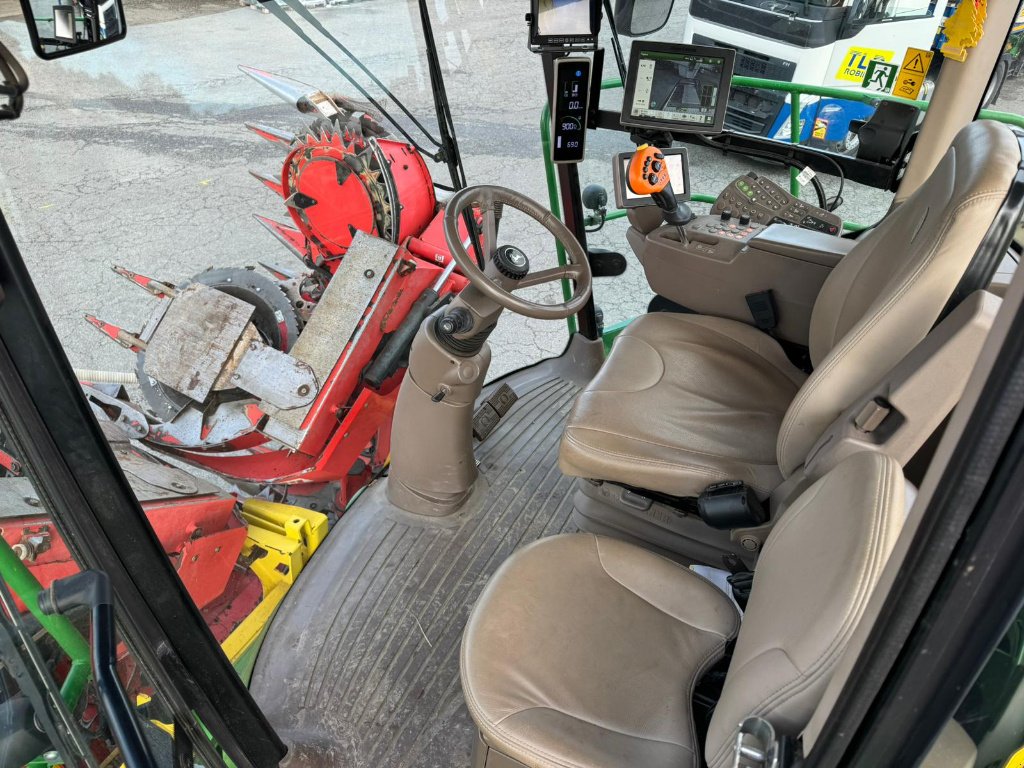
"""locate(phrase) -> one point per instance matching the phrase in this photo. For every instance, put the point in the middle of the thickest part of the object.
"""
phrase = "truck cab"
(827, 44)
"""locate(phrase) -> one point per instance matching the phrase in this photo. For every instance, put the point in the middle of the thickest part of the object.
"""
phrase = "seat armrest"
(899, 413)
(803, 244)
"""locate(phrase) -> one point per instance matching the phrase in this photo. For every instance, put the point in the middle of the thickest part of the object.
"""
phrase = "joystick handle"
(648, 175)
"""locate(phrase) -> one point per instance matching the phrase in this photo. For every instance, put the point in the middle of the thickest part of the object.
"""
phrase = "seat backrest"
(811, 585)
(888, 291)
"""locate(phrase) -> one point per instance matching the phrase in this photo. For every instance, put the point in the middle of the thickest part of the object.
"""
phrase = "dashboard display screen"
(563, 18)
(679, 87)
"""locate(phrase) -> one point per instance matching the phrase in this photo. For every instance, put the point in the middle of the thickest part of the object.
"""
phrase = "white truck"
(816, 42)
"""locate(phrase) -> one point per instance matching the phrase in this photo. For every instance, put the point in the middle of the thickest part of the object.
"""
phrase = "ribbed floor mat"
(361, 667)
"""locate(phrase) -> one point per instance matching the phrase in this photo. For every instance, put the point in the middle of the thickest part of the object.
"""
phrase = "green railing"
(795, 91)
(27, 588)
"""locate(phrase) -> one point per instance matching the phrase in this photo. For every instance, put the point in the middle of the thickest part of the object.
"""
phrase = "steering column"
(433, 470)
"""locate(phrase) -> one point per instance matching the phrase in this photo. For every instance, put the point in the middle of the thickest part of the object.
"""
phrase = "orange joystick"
(648, 175)
(648, 172)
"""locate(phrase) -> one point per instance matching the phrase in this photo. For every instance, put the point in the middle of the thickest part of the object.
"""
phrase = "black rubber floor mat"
(361, 666)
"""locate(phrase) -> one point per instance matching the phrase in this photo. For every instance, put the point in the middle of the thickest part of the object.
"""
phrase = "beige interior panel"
(903, 410)
(1011, 305)
(793, 263)
(956, 99)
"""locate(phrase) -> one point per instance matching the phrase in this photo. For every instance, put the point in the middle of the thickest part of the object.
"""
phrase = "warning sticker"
(820, 128)
(911, 76)
(854, 65)
(880, 76)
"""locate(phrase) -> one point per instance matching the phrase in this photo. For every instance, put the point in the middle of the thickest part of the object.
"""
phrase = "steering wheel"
(507, 268)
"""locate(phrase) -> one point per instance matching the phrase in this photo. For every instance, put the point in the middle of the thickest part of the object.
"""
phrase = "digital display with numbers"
(569, 112)
(678, 87)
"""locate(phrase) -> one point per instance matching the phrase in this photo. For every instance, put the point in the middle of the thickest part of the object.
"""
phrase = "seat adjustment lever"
(731, 504)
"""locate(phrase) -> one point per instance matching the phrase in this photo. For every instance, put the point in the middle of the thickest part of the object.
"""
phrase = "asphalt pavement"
(136, 154)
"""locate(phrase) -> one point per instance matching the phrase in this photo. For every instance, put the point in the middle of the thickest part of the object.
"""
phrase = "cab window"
(875, 11)
(992, 713)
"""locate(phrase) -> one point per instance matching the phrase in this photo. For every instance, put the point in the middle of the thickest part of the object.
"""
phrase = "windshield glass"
(235, 219)
(52, 710)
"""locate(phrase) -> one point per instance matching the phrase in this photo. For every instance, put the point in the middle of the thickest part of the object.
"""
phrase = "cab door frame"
(959, 587)
(80, 482)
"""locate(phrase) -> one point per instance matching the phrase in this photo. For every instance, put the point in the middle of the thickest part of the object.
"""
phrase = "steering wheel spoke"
(491, 218)
(567, 272)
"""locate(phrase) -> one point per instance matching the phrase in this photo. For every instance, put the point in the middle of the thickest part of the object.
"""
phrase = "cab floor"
(361, 665)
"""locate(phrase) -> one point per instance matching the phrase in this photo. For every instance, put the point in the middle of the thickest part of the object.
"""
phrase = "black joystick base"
(678, 216)
(674, 212)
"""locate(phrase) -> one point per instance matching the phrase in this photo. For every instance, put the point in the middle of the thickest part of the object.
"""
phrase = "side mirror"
(635, 18)
(63, 27)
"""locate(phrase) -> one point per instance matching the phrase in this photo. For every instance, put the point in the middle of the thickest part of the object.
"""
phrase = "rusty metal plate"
(195, 339)
(333, 323)
(18, 498)
(275, 377)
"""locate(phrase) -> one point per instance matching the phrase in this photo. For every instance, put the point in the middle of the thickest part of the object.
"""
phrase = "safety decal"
(911, 77)
(880, 76)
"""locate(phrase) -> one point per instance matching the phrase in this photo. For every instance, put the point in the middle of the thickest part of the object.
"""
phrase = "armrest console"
(803, 244)
(723, 262)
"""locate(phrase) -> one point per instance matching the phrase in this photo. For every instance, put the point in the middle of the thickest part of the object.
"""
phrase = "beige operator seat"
(583, 651)
(684, 401)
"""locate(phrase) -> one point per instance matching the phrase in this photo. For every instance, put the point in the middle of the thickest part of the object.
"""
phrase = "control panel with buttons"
(762, 201)
(711, 230)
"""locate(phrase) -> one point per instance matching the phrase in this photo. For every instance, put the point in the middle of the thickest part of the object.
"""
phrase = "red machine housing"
(335, 181)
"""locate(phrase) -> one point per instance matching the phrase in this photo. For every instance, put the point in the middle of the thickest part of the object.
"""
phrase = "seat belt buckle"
(757, 746)
(732, 504)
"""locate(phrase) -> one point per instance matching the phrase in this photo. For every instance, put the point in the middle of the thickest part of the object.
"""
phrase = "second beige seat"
(584, 651)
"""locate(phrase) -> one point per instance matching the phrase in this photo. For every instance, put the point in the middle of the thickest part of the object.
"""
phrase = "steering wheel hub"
(511, 262)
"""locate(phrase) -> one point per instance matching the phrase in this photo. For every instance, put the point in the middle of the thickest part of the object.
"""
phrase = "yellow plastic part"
(281, 540)
(297, 523)
(964, 28)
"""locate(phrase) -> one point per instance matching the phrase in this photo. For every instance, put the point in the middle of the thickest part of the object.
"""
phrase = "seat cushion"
(683, 401)
(584, 650)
